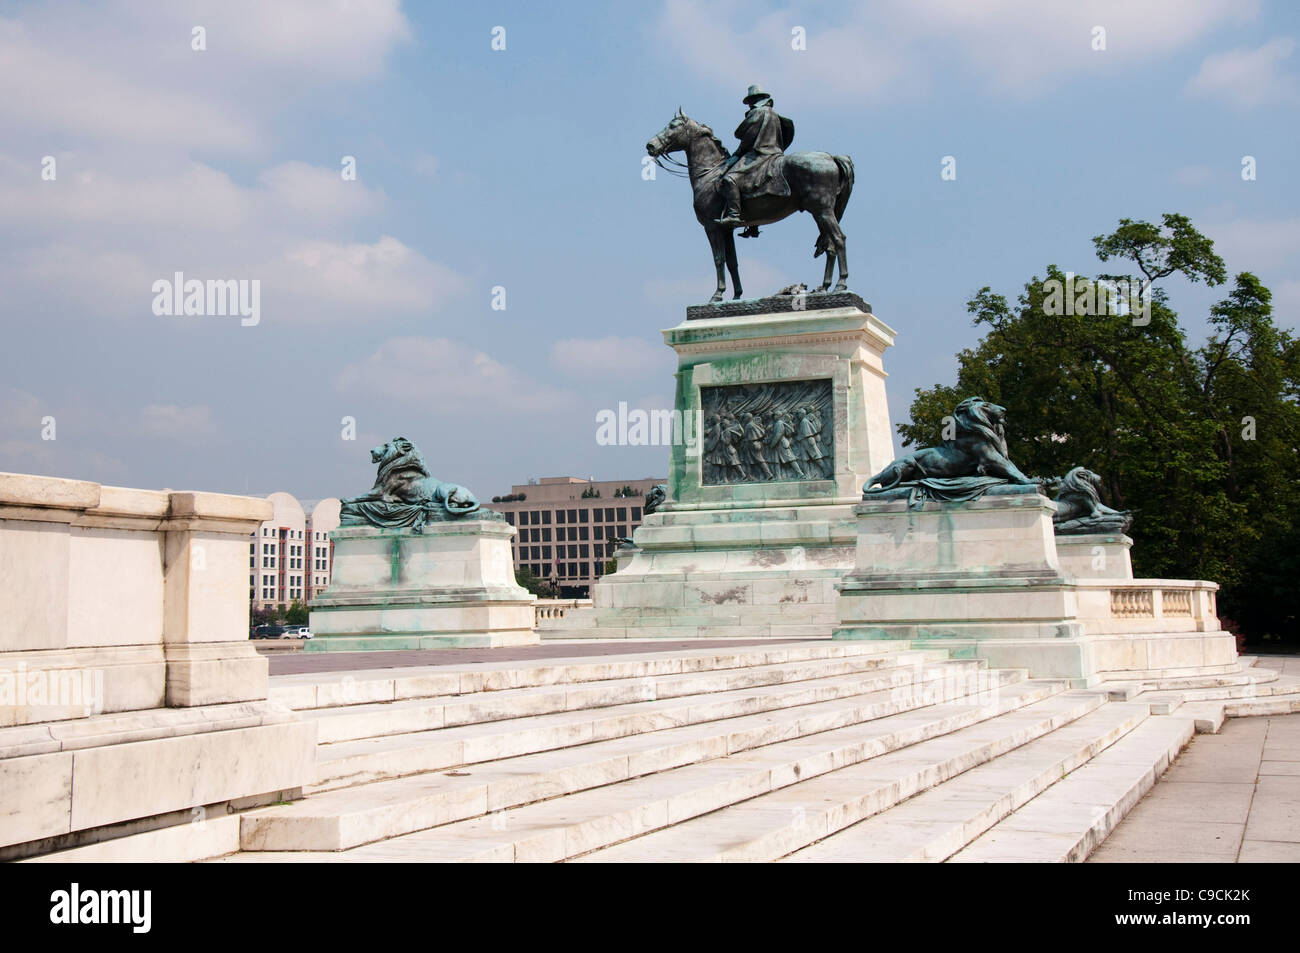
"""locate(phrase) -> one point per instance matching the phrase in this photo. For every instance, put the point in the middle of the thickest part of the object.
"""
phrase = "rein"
(682, 169)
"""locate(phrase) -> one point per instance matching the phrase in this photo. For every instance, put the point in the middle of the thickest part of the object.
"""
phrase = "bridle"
(679, 168)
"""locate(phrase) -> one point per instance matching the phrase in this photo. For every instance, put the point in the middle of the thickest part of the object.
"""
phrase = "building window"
(636, 513)
(622, 512)
(573, 516)
(546, 552)
(546, 518)
(609, 514)
(559, 516)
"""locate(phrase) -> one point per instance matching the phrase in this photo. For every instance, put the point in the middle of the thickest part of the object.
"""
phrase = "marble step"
(772, 825)
(715, 629)
(564, 827)
(1210, 715)
(372, 759)
(1070, 819)
(347, 817)
(331, 689)
(1201, 685)
(936, 824)
(354, 722)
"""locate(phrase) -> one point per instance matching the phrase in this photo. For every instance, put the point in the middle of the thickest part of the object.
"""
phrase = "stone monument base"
(450, 586)
(759, 523)
(990, 579)
(744, 571)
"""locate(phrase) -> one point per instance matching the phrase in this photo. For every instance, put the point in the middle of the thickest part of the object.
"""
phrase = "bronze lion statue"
(978, 449)
(654, 498)
(1079, 508)
(405, 493)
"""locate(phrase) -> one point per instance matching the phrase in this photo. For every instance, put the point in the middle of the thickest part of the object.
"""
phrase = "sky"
(514, 176)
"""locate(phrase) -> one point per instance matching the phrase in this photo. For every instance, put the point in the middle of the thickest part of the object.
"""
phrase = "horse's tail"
(845, 165)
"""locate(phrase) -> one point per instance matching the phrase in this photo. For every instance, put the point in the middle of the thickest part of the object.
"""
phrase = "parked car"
(268, 632)
(296, 632)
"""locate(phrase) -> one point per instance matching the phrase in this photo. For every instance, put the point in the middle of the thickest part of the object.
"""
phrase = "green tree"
(261, 616)
(296, 614)
(529, 580)
(1199, 441)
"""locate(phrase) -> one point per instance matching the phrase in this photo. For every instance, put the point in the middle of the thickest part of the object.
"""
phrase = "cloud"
(99, 236)
(757, 276)
(1252, 244)
(1249, 78)
(37, 437)
(312, 192)
(127, 107)
(888, 49)
(1193, 176)
(445, 378)
(611, 357)
(126, 71)
(60, 90)
(425, 164)
(356, 280)
(174, 422)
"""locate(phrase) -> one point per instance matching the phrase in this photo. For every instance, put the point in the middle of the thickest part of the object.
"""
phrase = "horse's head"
(672, 137)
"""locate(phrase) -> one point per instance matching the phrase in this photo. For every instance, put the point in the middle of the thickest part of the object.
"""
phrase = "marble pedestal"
(989, 579)
(736, 554)
(452, 586)
(980, 578)
(1095, 555)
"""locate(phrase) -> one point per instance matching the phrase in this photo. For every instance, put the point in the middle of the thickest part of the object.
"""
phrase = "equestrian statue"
(759, 184)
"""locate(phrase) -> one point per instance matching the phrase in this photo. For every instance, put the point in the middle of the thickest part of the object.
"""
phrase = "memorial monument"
(419, 564)
(782, 400)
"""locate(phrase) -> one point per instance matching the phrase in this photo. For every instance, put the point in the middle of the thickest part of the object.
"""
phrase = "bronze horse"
(820, 184)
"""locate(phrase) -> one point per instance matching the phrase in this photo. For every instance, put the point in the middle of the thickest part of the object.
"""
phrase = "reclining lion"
(405, 493)
(979, 449)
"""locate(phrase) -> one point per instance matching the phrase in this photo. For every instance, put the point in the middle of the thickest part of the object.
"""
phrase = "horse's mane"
(709, 130)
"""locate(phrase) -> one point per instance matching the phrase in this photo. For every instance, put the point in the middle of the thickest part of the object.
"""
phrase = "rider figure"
(763, 134)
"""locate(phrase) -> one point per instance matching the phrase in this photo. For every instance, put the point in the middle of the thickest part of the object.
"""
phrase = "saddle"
(760, 176)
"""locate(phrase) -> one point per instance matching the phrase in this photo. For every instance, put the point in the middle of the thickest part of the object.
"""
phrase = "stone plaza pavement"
(1230, 797)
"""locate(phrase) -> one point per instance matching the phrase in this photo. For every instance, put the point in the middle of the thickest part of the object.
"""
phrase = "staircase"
(798, 752)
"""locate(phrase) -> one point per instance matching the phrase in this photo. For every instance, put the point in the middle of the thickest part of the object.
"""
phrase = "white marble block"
(1095, 555)
(453, 585)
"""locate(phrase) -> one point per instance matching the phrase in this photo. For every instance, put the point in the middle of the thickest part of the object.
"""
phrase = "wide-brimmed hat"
(756, 93)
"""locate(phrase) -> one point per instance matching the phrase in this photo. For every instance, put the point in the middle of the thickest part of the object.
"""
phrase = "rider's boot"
(731, 212)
